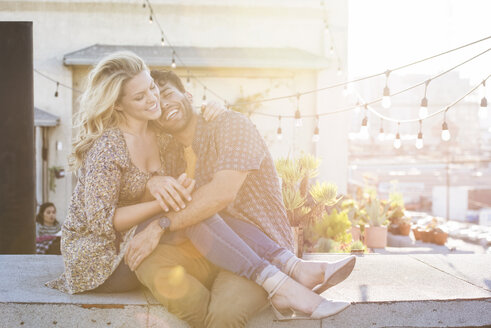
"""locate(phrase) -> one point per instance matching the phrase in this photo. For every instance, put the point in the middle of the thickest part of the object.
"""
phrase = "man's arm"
(207, 200)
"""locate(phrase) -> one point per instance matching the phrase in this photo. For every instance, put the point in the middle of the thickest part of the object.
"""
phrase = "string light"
(144, 4)
(56, 92)
(339, 65)
(340, 71)
(445, 132)
(419, 140)
(423, 110)
(279, 133)
(150, 19)
(381, 134)
(162, 41)
(483, 112)
(397, 140)
(315, 137)
(364, 125)
(386, 95)
(173, 65)
(298, 116)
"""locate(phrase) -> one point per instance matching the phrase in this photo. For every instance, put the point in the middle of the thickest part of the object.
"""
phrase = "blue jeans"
(229, 243)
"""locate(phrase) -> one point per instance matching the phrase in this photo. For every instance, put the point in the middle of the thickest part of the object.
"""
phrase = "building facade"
(241, 50)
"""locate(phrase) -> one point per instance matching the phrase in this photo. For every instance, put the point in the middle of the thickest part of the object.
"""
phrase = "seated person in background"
(47, 227)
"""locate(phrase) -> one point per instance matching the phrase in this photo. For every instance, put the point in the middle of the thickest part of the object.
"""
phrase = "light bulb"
(423, 110)
(173, 65)
(397, 141)
(315, 137)
(346, 91)
(298, 119)
(279, 134)
(340, 72)
(386, 98)
(484, 102)
(150, 19)
(381, 135)
(445, 133)
(419, 141)
(364, 128)
(162, 41)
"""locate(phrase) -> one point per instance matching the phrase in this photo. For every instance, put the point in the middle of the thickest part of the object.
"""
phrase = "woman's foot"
(309, 273)
(292, 295)
(319, 276)
(290, 300)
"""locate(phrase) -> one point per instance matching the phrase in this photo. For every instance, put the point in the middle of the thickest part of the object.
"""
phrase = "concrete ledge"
(386, 291)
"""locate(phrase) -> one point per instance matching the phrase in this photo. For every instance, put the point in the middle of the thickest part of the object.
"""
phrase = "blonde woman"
(115, 152)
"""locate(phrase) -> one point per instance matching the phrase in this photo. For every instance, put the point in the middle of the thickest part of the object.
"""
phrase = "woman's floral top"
(90, 246)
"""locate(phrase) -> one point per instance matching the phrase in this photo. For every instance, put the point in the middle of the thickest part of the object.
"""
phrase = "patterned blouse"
(91, 248)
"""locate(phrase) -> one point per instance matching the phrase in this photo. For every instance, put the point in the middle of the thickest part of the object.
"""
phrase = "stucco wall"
(61, 27)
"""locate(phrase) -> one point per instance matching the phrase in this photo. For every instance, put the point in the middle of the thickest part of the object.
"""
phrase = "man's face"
(177, 110)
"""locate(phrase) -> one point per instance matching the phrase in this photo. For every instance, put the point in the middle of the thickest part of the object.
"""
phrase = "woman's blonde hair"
(104, 88)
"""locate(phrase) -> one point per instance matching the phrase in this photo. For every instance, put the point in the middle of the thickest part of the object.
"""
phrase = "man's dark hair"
(162, 77)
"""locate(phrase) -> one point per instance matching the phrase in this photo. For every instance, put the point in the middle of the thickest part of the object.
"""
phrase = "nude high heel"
(335, 273)
(325, 309)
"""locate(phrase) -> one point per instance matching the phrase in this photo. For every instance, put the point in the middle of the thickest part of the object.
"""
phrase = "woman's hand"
(170, 192)
(212, 110)
(142, 245)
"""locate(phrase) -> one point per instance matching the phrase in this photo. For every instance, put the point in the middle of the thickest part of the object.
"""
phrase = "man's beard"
(187, 114)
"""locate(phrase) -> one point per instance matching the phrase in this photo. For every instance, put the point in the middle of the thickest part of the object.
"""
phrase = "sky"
(388, 33)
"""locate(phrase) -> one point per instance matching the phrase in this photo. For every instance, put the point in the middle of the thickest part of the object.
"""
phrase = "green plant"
(377, 212)
(52, 177)
(357, 246)
(357, 216)
(332, 226)
(303, 201)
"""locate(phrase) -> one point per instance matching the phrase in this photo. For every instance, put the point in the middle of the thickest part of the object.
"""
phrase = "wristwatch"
(164, 223)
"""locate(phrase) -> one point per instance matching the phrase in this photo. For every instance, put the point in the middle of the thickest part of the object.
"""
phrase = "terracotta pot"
(417, 234)
(426, 236)
(298, 241)
(355, 233)
(376, 237)
(439, 238)
(404, 229)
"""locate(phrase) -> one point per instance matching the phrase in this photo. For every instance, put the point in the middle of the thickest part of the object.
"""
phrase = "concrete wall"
(61, 27)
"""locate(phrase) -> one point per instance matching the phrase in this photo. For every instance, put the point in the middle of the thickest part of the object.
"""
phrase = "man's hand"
(212, 110)
(170, 192)
(142, 245)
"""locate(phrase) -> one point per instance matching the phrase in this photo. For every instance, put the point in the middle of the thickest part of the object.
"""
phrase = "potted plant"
(357, 247)
(355, 215)
(439, 236)
(304, 202)
(376, 232)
